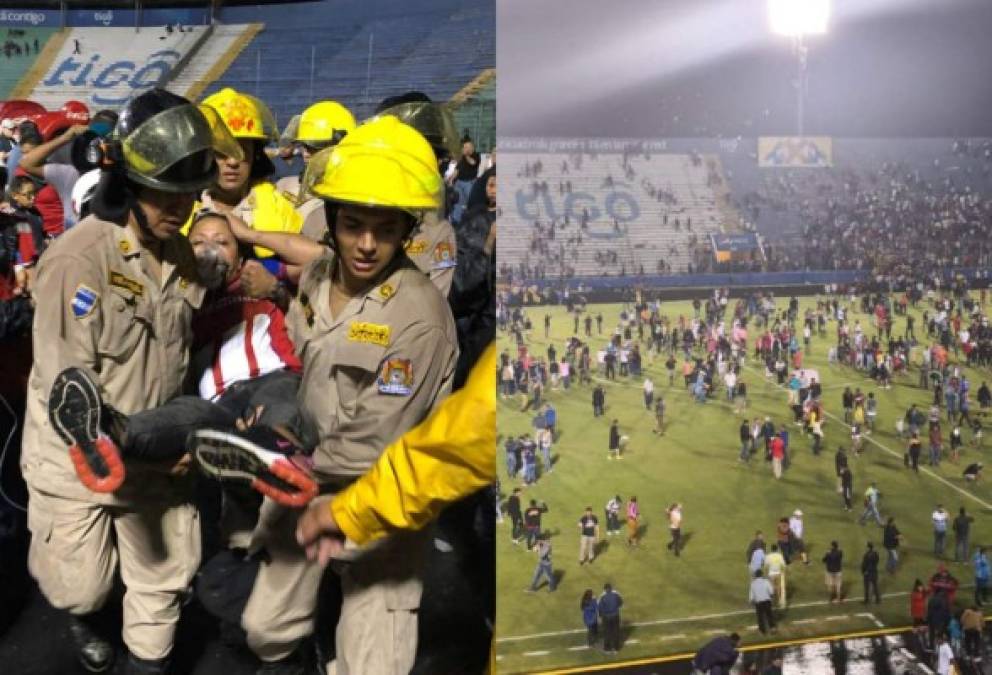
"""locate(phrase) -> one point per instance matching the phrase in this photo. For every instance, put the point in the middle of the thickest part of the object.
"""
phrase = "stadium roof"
(685, 68)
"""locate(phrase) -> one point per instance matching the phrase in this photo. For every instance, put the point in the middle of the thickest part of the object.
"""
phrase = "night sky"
(680, 68)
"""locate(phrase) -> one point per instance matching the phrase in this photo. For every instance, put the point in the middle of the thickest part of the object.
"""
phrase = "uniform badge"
(416, 247)
(444, 257)
(127, 283)
(373, 333)
(83, 301)
(124, 245)
(183, 283)
(307, 309)
(396, 377)
(386, 291)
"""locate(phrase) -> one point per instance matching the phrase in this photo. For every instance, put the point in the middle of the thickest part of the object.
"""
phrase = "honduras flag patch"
(83, 301)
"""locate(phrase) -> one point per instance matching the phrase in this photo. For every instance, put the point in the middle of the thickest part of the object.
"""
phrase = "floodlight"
(796, 18)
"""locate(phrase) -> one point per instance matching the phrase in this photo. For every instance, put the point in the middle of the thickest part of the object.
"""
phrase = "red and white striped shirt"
(246, 338)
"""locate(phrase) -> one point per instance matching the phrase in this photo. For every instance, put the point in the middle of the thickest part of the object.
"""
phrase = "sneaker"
(242, 457)
(74, 409)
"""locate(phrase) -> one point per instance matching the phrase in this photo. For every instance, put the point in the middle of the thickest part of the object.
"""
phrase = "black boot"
(291, 665)
(138, 666)
(303, 661)
(95, 653)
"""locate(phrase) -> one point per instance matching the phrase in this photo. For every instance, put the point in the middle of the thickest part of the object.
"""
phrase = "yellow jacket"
(447, 456)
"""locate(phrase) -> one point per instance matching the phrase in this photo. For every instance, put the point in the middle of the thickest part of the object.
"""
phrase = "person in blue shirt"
(609, 606)
(550, 418)
(590, 616)
(980, 562)
(718, 656)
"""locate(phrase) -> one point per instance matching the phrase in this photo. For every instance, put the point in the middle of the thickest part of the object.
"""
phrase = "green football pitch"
(672, 605)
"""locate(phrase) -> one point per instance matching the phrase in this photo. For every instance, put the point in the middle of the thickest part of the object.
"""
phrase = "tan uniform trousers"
(587, 548)
(76, 547)
(381, 588)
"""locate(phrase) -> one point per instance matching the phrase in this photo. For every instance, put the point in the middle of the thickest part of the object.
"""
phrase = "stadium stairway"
(210, 59)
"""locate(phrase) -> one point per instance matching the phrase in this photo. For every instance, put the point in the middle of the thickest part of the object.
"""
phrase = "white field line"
(538, 653)
(699, 617)
(892, 452)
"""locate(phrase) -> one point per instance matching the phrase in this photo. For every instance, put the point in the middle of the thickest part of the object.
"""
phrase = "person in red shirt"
(47, 201)
(778, 455)
(943, 580)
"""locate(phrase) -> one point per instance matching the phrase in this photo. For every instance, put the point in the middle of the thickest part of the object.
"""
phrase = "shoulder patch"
(83, 301)
(307, 308)
(416, 247)
(373, 333)
(443, 256)
(127, 283)
(396, 377)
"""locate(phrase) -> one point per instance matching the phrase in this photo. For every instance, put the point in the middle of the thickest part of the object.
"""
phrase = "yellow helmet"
(322, 124)
(244, 115)
(382, 163)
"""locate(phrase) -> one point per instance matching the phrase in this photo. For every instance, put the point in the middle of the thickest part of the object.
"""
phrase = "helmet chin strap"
(145, 234)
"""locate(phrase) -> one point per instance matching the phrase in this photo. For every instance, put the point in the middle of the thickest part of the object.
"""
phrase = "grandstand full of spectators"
(890, 207)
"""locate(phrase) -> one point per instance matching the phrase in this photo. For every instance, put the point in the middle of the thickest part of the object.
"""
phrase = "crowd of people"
(714, 352)
(192, 316)
(892, 218)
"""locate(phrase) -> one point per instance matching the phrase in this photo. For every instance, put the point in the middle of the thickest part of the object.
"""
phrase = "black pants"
(675, 544)
(160, 433)
(766, 619)
(871, 586)
(611, 633)
(973, 643)
(593, 634)
(517, 522)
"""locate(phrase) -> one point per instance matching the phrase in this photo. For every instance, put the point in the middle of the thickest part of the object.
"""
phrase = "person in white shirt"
(761, 594)
(648, 393)
(730, 380)
(797, 528)
(940, 518)
(945, 656)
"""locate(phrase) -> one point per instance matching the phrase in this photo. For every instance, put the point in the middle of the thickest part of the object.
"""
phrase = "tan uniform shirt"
(434, 252)
(99, 309)
(375, 370)
(312, 210)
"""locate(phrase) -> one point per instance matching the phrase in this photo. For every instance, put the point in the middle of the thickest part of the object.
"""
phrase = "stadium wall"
(688, 286)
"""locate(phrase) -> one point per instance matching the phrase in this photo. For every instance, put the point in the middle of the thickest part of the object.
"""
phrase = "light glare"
(798, 17)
